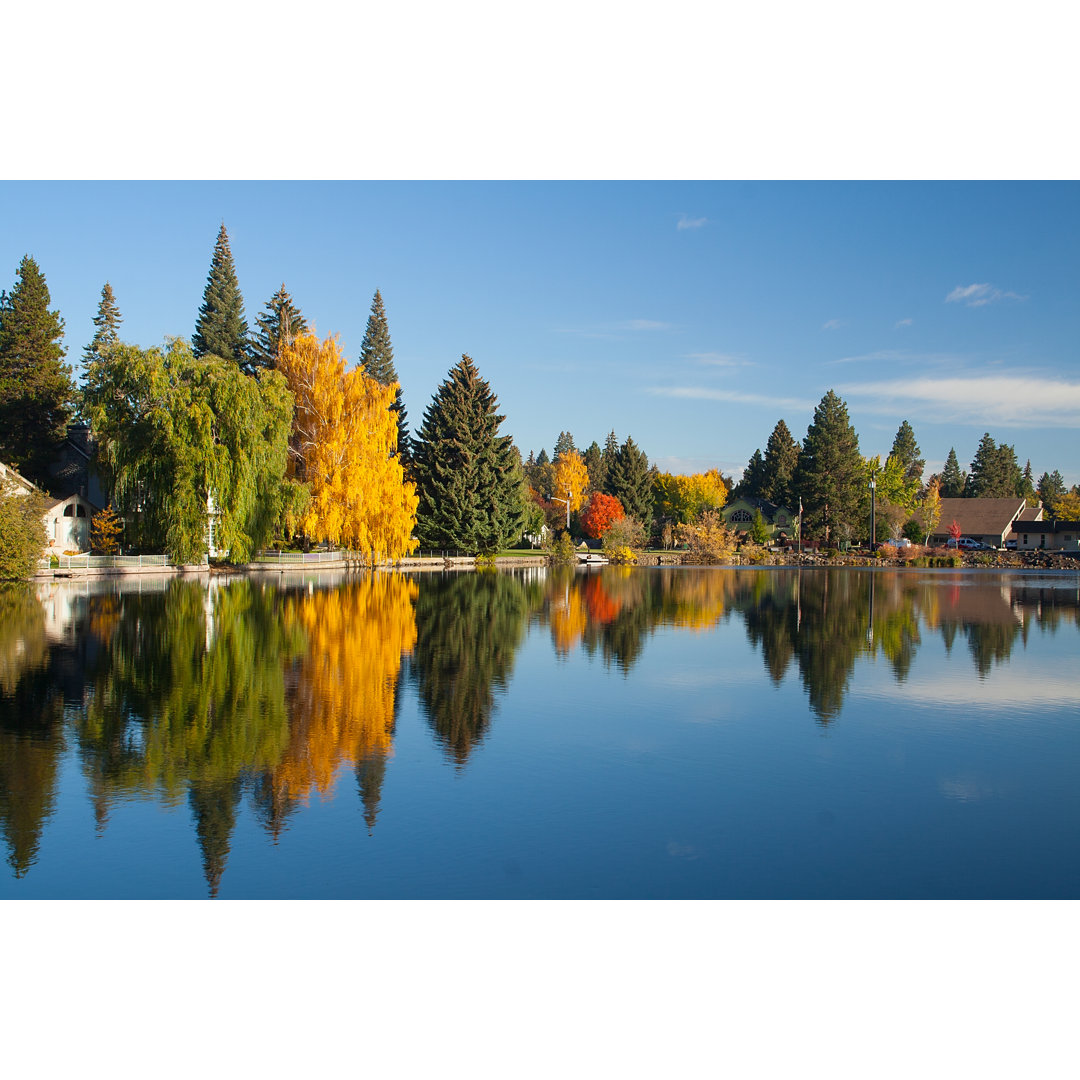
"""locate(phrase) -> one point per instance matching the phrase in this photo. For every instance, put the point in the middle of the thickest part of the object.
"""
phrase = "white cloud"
(716, 359)
(979, 295)
(613, 331)
(690, 223)
(1009, 400)
(703, 393)
(833, 324)
(902, 322)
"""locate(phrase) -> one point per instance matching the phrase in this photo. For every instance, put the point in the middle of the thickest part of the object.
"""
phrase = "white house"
(67, 524)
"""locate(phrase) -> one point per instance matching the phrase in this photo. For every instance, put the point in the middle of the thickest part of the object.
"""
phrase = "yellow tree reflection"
(342, 704)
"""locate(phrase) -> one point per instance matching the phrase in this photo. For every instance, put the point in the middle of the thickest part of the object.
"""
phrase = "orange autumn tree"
(342, 446)
(599, 513)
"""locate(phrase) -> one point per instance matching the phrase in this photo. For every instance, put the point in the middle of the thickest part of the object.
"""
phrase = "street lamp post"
(555, 498)
(873, 509)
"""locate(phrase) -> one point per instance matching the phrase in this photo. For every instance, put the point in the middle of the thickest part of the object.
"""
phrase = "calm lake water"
(617, 733)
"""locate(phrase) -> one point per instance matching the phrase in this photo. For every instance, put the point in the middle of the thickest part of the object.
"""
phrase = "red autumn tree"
(599, 513)
(954, 530)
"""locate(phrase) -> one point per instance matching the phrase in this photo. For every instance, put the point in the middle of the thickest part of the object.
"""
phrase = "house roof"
(1031, 513)
(1046, 526)
(985, 517)
(768, 509)
(8, 474)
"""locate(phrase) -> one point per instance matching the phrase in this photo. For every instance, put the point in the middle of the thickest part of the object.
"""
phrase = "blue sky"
(690, 315)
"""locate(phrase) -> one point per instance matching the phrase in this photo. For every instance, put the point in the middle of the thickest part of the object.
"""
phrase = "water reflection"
(203, 696)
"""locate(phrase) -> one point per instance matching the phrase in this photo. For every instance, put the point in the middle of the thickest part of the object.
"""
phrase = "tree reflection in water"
(197, 696)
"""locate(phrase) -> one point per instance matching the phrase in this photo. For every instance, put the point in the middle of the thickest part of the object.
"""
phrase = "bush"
(22, 534)
(561, 550)
(708, 540)
(627, 533)
(621, 556)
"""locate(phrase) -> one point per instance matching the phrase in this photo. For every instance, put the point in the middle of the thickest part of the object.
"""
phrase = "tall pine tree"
(906, 451)
(221, 329)
(466, 474)
(778, 472)
(106, 325)
(830, 476)
(377, 356)
(631, 482)
(753, 477)
(995, 472)
(36, 389)
(279, 326)
(106, 334)
(953, 479)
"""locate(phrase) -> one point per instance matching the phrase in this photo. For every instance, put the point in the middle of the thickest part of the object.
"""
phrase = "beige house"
(1046, 535)
(990, 521)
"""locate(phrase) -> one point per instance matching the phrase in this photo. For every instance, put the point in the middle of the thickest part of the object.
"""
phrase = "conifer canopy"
(221, 329)
(466, 473)
(36, 389)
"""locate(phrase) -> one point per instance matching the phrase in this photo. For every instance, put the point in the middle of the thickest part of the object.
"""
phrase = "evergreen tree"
(594, 462)
(106, 326)
(542, 459)
(377, 356)
(995, 473)
(830, 475)
(778, 472)
(221, 329)
(466, 478)
(36, 389)
(906, 450)
(953, 479)
(631, 482)
(753, 477)
(1027, 483)
(280, 325)
(564, 444)
(1051, 488)
(607, 458)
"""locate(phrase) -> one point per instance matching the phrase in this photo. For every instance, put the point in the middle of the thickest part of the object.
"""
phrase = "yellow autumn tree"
(342, 446)
(684, 499)
(572, 476)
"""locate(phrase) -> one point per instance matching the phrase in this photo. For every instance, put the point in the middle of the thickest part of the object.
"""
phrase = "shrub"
(628, 533)
(708, 540)
(22, 534)
(561, 550)
(621, 556)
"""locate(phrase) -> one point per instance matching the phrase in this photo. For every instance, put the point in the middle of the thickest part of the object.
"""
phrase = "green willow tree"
(221, 329)
(830, 475)
(466, 473)
(279, 325)
(36, 388)
(377, 356)
(176, 431)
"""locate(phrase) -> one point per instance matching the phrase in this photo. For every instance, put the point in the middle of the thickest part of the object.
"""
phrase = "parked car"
(903, 542)
(1010, 545)
(966, 543)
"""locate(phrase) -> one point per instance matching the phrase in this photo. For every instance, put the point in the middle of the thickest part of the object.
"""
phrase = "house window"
(781, 520)
(69, 511)
(742, 515)
(80, 511)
